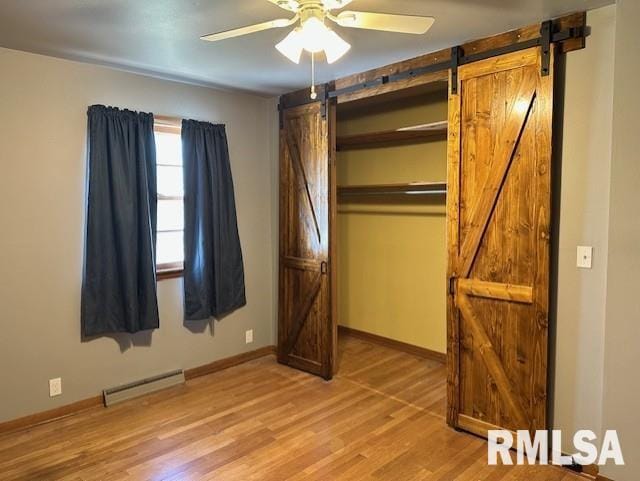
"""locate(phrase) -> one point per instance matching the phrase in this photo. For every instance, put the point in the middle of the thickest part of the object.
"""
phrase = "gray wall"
(621, 401)
(583, 207)
(42, 143)
(598, 311)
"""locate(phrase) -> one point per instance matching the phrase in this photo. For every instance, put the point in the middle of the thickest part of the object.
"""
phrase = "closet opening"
(390, 242)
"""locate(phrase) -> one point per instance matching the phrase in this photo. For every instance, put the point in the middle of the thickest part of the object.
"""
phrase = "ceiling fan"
(313, 35)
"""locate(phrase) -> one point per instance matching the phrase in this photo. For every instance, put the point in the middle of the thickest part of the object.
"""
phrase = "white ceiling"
(160, 37)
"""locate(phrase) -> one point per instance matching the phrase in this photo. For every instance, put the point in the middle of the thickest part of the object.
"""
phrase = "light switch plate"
(55, 387)
(584, 257)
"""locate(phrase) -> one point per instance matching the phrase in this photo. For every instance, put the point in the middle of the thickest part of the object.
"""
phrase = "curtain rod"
(170, 121)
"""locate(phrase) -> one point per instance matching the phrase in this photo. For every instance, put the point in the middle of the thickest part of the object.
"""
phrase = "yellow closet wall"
(391, 249)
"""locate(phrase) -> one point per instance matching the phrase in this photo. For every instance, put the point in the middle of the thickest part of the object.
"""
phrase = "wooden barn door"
(306, 332)
(498, 242)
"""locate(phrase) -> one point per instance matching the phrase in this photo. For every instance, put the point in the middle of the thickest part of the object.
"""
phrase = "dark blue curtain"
(119, 284)
(213, 270)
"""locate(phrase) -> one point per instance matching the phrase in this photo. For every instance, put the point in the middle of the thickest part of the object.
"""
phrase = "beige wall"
(392, 249)
(621, 400)
(584, 216)
(43, 103)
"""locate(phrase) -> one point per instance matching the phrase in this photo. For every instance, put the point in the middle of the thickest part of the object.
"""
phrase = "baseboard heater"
(145, 386)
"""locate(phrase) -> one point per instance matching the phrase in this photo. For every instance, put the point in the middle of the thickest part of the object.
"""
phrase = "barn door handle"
(323, 267)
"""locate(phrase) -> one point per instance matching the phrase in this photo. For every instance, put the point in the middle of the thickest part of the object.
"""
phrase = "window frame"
(168, 125)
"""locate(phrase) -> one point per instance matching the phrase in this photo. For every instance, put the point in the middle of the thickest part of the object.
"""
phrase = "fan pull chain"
(314, 94)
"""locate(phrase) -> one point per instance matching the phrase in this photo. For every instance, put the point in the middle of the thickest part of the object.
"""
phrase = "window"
(170, 241)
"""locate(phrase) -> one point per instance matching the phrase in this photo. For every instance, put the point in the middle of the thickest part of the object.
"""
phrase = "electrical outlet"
(248, 336)
(55, 387)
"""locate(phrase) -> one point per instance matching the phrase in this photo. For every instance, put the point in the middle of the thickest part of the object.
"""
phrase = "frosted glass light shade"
(313, 33)
(291, 46)
(334, 47)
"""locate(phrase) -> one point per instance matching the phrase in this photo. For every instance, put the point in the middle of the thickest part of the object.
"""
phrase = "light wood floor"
(381, 418)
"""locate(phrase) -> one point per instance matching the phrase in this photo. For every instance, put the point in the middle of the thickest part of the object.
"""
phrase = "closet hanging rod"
(382, 192)
(412, 188)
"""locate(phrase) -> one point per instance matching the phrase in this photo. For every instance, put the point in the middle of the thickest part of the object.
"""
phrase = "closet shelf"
(412, 188)
(413, 134)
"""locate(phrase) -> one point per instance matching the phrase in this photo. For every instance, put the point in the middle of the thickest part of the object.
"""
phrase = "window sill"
(169, 274)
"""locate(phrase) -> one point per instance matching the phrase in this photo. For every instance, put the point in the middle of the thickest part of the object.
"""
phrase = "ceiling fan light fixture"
(313, 34)
(335, 47)
(291, 46)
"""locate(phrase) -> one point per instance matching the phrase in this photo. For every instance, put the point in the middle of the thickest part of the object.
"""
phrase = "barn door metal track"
(459, 58)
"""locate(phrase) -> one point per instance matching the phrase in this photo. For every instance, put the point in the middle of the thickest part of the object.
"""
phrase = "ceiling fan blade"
(335, 4)
(385, 21)
(291, 5)
(236, 32)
